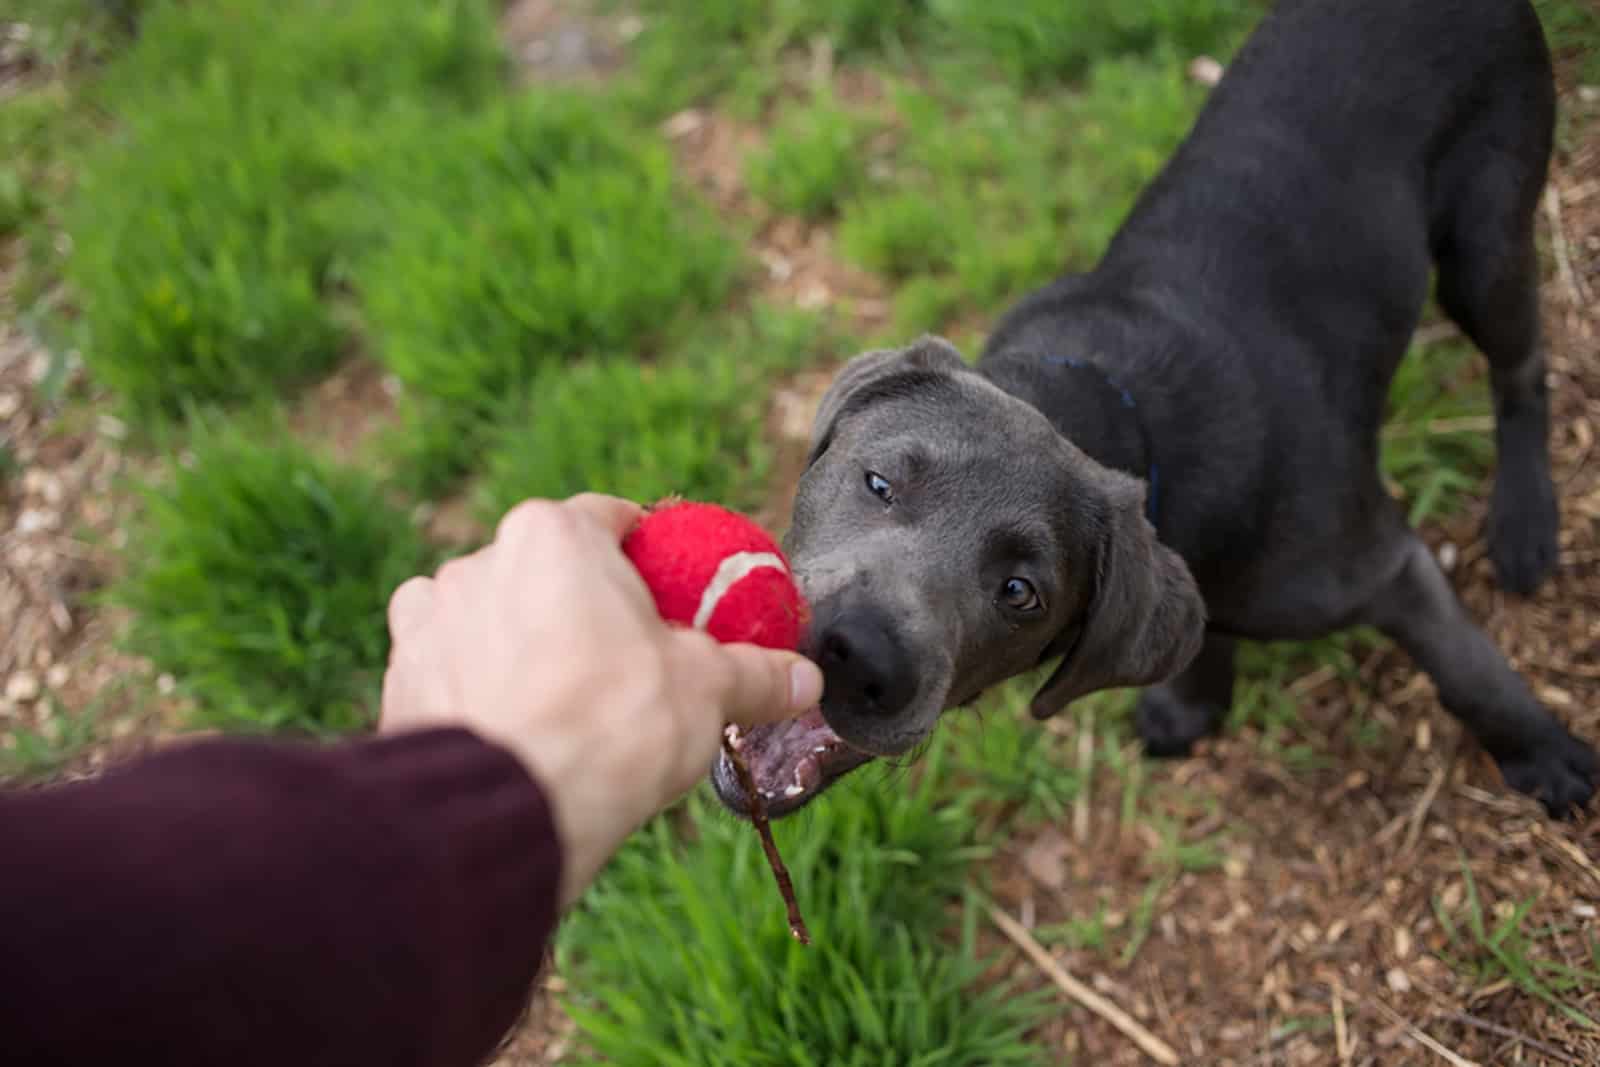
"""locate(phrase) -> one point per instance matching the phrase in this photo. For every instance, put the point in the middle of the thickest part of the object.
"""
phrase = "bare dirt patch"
(346, 408)
(554, 41)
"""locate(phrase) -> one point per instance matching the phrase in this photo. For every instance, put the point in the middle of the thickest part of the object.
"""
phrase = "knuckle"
(528, 518)
(409, 590)
(452, 571)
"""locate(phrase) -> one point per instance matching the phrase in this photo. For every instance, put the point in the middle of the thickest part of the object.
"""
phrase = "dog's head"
(948, 538)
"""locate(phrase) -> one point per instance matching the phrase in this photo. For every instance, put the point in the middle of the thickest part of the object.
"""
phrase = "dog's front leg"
(1536, 754)
(1172, 717)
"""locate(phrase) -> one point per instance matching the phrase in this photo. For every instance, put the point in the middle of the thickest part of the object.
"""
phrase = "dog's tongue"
(791, 759)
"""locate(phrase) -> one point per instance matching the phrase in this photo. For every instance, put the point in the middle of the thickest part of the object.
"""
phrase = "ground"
(1369, 894)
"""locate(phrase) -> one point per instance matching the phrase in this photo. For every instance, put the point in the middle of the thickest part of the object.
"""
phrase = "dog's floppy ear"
(886, 371)
(1145, 620)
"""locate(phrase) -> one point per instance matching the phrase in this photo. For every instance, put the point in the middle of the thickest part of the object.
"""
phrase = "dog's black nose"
(864, 665)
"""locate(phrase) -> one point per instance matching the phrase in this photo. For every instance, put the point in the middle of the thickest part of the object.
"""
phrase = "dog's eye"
(1018, 594)
(879, 487)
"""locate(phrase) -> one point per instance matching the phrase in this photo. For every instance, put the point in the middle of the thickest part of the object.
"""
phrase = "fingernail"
(805, 685)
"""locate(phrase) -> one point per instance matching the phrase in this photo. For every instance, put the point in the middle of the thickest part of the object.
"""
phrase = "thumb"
(764, 685)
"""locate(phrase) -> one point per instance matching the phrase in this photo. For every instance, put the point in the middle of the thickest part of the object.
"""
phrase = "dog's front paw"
(1560, 772)
(1169, 726)
(1523, 523)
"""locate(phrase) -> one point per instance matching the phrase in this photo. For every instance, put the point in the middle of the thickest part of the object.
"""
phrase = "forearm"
(382, 901)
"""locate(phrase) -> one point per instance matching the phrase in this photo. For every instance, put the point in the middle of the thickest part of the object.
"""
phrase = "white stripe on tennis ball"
(729, 572)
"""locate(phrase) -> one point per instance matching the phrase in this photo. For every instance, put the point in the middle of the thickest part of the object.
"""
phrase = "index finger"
(613, 512)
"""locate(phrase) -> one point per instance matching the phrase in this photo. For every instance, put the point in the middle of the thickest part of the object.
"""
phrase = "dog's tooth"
(794, 790)
(735, 737)
(819, 750)
(808, 773)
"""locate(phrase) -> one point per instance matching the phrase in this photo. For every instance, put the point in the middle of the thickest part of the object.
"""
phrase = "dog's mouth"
(790, 762)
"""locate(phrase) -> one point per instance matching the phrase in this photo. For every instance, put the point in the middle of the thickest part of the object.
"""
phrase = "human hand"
(548, 643)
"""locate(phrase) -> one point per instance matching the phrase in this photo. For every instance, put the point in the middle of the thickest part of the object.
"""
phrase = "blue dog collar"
(1152, 472)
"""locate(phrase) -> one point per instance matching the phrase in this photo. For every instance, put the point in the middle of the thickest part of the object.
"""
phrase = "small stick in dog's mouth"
(758, 815)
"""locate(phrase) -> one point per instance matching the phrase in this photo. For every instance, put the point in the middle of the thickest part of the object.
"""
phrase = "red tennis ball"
(717, 571)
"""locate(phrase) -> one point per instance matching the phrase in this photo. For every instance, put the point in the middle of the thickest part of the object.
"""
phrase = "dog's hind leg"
(1535, 753)
(1489, 284)
(1172, 717)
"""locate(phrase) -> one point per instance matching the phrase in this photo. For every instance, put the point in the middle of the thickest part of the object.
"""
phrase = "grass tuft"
(1041, 41)
(260, 582)
(203, 239)
(1015, 190)
(532, 233)
(689, 52)
(1573, 29)
(813, 161)
(1012, 762)
(35, 753)
(691, 424)
(1497, 947)
(682, 955)
(1438, 443)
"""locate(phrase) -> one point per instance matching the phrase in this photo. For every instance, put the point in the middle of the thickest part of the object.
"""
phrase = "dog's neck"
(1094, 411)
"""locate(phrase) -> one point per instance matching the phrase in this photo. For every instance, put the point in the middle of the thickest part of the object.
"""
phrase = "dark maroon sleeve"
(228, 902)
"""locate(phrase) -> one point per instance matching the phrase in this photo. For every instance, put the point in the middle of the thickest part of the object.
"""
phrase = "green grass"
(1014, 188)
(65, 35)
(1438, 444)
(736, 50)
(733, 48)
(34, 753)
(641, 432)
(199, 263)
(1493, 945)
(495, 249)
(204, 240)
(680, 954)
(260, 580)
(1573, 29)
(1012, 762)
(1035, 42)
(813, 160)
(28, 125)
(691, 424)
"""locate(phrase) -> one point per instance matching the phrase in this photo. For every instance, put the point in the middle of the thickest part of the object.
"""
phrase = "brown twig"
(1152, 1045)
(1419, 814)
(1416, 1034)
(758, 815)
(1475, 1023)
(1570, 281)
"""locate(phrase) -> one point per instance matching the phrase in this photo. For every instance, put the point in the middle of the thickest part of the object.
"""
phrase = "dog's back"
(1344, 152)
(1266, 285)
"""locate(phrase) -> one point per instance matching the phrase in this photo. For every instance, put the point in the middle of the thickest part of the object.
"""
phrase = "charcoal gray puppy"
(1180, 448)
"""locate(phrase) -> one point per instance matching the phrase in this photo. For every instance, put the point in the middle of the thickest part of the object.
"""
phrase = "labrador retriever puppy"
(1179, 448)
